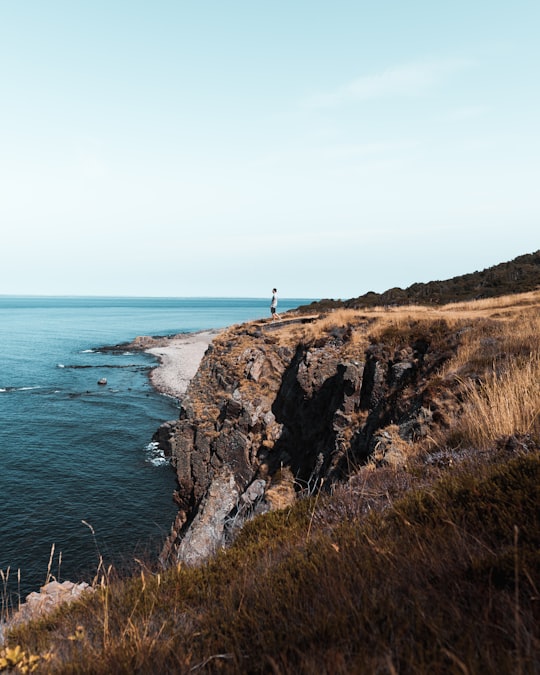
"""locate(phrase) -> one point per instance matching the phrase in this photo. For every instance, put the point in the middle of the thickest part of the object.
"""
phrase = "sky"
(210, 148)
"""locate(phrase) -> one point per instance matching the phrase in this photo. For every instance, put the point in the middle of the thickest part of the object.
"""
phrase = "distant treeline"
(517, 276)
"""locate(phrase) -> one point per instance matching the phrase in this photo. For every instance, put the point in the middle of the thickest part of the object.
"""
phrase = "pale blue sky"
(223, 148)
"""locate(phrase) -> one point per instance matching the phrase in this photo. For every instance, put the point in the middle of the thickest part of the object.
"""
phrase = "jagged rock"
(417, 426)
(206, 535)
(165, 437)
(399, 371)
(389, 449)
(254, 492)
(258, 409)
(254, 364)
(232, 409)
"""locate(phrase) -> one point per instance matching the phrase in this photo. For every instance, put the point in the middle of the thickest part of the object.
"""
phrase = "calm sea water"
(72, 450)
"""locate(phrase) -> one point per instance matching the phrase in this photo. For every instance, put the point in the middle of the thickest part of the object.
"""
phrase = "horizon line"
(150, 297)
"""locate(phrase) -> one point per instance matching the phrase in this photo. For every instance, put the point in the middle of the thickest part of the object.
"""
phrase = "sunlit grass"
(505, 402)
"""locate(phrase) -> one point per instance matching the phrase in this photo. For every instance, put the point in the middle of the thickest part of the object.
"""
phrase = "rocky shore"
(179, 357)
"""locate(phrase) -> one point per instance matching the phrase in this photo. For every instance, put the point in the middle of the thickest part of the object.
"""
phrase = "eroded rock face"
(259, 404)
(207, 530)
(215, 445)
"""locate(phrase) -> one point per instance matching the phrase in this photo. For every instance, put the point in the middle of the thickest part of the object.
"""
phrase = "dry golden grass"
(495, 368)
(281, 492)
(496, 365)
(492, 341)
(531, 299)
(380, 319)
(337, 318)
(505, 402)
(335, 323)
(498, 361)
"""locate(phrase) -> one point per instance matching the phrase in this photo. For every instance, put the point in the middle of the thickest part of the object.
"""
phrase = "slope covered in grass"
(520, 275)
(442, 579)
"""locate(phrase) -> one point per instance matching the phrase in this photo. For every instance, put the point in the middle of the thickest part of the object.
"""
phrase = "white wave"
(154, 455)
(11, 389)
(87, 351)
(60, 365)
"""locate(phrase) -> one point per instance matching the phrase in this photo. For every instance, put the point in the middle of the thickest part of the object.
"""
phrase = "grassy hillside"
(517, 276)
(428, 566)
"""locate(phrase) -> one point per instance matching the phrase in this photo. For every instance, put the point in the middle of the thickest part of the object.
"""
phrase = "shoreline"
(179, 359)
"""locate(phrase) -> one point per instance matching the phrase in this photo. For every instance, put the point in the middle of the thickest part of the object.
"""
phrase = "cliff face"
(273, 411)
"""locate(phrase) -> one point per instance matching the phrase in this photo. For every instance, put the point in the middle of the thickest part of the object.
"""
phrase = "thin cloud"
(467, 113)
(405, 80)
(314, 155)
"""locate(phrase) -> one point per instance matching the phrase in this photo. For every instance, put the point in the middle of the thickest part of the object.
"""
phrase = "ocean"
(79, 476)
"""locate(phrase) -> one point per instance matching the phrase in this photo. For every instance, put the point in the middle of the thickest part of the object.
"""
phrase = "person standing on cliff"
(273, 305)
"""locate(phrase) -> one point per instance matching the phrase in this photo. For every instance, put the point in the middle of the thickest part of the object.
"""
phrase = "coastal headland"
(271, 415)
(369, 478)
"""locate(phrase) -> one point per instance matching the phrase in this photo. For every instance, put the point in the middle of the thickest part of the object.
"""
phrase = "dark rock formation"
(260, 404)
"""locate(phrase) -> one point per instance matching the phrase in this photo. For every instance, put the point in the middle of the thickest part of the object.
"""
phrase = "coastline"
(179, 358)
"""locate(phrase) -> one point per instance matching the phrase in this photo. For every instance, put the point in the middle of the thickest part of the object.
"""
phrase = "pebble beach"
(179, 358)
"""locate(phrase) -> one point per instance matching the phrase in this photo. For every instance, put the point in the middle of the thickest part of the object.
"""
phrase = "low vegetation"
(433, 567)
(520, 275)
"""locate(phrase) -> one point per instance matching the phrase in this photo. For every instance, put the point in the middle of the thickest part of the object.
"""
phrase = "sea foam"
(154, 455)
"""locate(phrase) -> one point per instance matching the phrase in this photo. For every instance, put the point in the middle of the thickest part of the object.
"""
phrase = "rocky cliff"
(274, 411)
